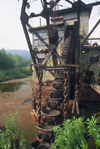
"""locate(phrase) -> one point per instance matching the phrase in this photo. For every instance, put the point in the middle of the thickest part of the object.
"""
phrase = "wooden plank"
(64, 65)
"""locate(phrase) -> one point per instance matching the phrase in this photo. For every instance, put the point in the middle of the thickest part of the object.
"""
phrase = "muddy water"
(16, 95)
(12, 87)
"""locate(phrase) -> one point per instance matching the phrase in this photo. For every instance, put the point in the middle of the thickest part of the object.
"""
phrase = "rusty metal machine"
(66, 67)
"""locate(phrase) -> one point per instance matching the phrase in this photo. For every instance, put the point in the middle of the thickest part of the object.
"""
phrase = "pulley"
(53, 36)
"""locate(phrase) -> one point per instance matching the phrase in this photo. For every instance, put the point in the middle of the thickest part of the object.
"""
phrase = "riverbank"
(15, 102)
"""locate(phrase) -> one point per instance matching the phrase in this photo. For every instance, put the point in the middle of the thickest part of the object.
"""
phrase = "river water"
(12, 87)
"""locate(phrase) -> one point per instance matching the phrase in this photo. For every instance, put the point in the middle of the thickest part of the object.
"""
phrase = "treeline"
(8, 61)
(13, 66)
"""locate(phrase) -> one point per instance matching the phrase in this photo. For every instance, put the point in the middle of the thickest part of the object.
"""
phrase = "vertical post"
(78, 16)
(40, 21)
(45, 8)
(77, 56)
(77, 41)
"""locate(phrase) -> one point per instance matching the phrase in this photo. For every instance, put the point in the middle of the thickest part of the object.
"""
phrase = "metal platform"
(96, 88)
(90, 93)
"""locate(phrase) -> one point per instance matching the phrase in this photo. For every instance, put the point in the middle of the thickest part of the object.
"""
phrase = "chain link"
(65, 94)
(76, 99)
(39, 95)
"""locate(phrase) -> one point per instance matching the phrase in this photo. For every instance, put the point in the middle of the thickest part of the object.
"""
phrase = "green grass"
(28, 79)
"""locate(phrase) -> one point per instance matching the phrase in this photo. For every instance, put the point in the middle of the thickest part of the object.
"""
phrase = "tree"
(3, 59)
(11, 61)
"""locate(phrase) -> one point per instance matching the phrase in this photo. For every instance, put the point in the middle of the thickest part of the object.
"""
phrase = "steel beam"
(55, 68)
(78, 16)
(22, 17)
(32, 15)
(34, 31)
(64, 65)
(46, 12)
(69, 1)
(92, 4)
(39, 52)
(57, 1)
(94, 39)
(91, 32)
(47, 57)
(60, 59)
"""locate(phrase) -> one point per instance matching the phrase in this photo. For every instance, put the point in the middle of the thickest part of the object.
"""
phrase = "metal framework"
(68, 69)
(76, 7)
(46, 13)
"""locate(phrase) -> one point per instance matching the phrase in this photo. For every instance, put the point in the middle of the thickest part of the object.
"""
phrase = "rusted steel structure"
(66, 68)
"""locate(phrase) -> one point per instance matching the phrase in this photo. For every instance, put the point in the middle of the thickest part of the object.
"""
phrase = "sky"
(11, 31)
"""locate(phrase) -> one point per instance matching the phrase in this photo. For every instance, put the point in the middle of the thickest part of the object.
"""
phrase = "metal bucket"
(55, 103)
(45, 132)
(58, 84)
(51, 116)
(59, 77)
(56, 93)
(39, 145)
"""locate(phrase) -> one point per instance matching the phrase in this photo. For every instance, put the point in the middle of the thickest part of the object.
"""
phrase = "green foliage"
(11, 62)
(9, 139)
(2, 76)
(12, 67)
(93, 130)
(20, 61)
(25, 70)
(73, 133)
(8, 74)
(8, 61)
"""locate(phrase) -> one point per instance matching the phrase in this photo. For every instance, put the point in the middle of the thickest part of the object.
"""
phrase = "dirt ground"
(14, 101)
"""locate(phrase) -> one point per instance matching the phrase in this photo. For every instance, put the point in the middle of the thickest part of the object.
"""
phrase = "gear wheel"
(67, 56)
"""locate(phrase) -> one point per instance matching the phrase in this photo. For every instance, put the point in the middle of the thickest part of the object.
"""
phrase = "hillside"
(22, 53)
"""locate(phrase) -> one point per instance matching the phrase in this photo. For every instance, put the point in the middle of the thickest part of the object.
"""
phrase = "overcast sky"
(11, 32)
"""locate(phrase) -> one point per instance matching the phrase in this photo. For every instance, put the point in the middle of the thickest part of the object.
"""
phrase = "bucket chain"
(65, 94)
(39, 95)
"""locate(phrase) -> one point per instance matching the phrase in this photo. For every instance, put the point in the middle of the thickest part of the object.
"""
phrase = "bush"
(8, 74)
(2, 77)
(10, 139)
(13, 66)
(73, 134)
(25, 70)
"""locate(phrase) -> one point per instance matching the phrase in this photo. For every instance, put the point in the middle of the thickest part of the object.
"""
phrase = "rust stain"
(45, 89)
